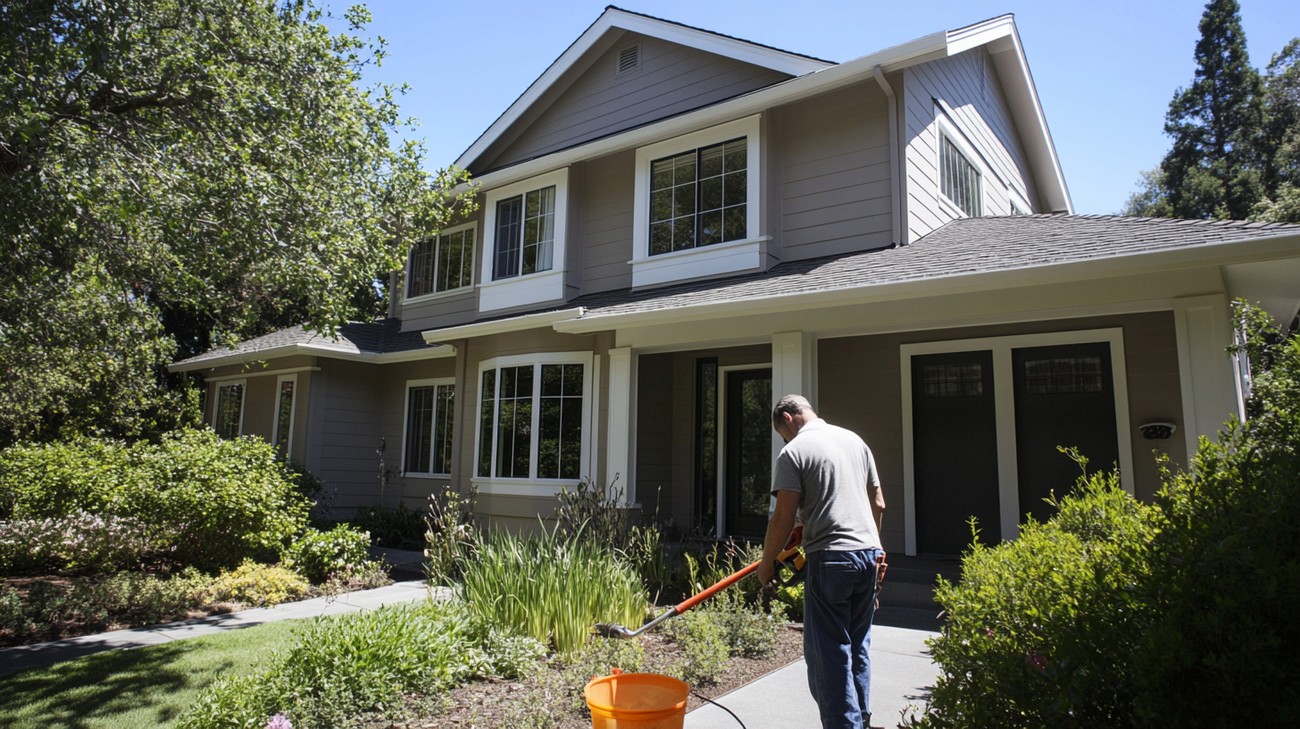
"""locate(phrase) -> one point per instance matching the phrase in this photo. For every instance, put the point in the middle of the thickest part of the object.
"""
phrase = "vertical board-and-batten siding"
(671, 79)
(971, 105)
(834, 177)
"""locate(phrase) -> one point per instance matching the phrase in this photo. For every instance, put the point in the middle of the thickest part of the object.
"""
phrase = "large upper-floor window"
(533, 417)
(228, 414)
(697, 207)
(959, 180)
(430, 413)
(699, 198)
(441, 263)
(524, 226)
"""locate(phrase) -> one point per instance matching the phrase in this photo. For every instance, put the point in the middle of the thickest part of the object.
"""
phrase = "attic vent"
(629, 59)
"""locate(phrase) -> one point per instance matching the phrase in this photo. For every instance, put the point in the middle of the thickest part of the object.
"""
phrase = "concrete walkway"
(901, 674)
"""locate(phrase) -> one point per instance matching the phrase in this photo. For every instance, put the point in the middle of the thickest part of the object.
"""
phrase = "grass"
(127, 689)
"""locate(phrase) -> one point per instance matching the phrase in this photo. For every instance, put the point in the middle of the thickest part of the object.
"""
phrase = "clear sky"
(1105, 69)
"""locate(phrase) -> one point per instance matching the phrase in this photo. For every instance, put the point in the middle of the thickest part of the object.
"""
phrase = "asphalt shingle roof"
(961, 247)
(356, 338)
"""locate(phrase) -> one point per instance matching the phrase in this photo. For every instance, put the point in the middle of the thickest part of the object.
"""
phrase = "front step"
(910, 581)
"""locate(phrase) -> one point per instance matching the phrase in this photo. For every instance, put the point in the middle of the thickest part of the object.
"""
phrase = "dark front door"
(1065, 396)
(747, 451)
(955, 450)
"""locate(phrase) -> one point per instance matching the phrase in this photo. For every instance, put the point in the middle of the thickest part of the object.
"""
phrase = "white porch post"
(621, 428)
(1210, 390)
(793, 364)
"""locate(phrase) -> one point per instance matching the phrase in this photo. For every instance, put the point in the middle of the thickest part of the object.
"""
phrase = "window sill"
(715, 260)
(522, 486)
(437, 295)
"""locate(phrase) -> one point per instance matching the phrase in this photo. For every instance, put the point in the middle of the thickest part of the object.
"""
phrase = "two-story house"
(677, 227)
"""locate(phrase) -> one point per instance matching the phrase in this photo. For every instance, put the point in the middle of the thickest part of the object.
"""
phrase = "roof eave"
(326, 351)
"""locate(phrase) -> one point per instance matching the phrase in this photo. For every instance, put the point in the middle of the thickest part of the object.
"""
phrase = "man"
(826, 479)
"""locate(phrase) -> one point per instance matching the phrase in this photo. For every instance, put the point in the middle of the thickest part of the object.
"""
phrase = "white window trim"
(243, 398)
(952, 134)
(406, 423)
(730, 257)
(533, 486)
(293, 413)
(1004, 393)
(459, 290)
(532, 288)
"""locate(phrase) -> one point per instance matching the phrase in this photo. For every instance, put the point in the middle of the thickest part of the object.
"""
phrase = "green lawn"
(129, 689)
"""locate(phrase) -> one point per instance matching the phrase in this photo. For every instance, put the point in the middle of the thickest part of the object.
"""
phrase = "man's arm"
(878, 507)
(779, 527)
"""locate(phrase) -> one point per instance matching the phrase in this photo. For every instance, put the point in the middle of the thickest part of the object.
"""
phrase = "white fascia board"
(328, 351)
(1273, 248)
(501, 326)
(613, 18)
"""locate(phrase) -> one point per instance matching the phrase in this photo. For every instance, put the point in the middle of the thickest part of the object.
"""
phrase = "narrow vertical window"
(959, 180)
(228, 413)
(525, 234)
(429, 418)
(284, 416)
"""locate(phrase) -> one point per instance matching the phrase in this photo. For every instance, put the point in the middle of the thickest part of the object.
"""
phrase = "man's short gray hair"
(792, 404)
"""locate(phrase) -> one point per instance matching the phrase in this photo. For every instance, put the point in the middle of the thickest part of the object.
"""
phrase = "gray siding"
(605, 224)
(347, 416)
(598, 102)
(451, 308)
(972, 105)
(832, 159)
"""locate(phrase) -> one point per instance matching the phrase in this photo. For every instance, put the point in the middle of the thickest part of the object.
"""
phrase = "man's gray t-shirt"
(835, 474)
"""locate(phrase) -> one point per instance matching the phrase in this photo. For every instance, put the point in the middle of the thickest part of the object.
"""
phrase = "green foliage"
(97, 603)
(551, 588)
(176, 174)
(1041, 631)
(704, 647)
(259, 585)
(74, 543)
(319, 555)
(399, 528)
(205, 501)
(452, 537)
(593, 513)
(342, 667)
(1226, 564)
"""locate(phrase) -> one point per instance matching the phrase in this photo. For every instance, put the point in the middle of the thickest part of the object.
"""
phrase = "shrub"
(343, 666)
(704, 647)
(550, 588)
(339, 552)
(399, 528)
(76, 542)
(452, 537)
(257, 584)
(593, 513)
(1226, 568)
(1041, 631)
(205, 501)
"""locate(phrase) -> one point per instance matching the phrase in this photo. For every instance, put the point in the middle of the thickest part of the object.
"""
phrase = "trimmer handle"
(790, 566)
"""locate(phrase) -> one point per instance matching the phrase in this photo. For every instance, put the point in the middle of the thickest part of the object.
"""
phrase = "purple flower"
(279, 722)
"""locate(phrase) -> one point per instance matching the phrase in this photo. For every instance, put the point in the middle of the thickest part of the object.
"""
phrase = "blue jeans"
(838, 605)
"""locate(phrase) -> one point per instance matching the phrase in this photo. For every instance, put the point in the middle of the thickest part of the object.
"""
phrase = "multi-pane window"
(228, 414)
(430, 409)
(530, 421)
(959, 179)
(441, 263)
(699, 198)
(525, 234)
(1064, 375)
(284, 415)
(952, 380)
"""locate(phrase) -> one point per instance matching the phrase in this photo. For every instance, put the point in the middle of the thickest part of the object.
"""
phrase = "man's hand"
(779, 526)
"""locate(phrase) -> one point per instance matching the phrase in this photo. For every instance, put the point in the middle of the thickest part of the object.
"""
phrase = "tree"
(179, 173)
(1281, 138)
(1213, 168)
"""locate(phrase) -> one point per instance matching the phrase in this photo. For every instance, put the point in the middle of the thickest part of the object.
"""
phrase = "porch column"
(1211, 392)
(620, 428)
(793, 365)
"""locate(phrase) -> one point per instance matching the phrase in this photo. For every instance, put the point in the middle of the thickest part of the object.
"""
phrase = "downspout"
(896, 191)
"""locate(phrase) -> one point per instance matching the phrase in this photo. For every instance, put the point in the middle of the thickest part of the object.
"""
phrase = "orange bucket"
(637, 701)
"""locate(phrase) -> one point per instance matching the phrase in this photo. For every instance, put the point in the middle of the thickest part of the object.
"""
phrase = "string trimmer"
(790, 563)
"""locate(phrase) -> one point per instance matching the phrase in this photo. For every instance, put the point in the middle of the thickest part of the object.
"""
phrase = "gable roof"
(998, 35)
(965, 254)
(617, 21)
(378, 341)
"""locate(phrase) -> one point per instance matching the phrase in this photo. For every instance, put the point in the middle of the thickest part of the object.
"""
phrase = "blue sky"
(1105, 69)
